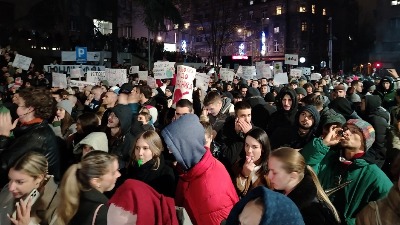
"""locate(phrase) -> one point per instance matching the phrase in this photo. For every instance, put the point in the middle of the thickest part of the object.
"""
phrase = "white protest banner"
(259, 66)
(239, 71)
(151, 82)
(281, 78)
(316, 76)
(133, 69)
(59, 80)
(164, 70)
(266, 71)
(80, 84)
(116, 76)
(143, 75)
(278, 67)
(22, 62)
(292, 59)
(184, 83)
(227, 75)
(306, 70)
(296, 73)
(202, 80)
(67, 68)
(96, 76)
(249, 72)
(76, 73)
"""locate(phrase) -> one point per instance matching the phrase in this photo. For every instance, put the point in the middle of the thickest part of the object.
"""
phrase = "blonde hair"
(155, 145)
(293, 161)
(33, 164)
(77, 179)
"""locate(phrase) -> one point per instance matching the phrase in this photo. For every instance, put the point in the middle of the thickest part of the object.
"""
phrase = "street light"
(330, 51)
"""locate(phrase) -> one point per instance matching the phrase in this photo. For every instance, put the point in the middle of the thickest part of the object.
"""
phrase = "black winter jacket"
(37, 137)
(88, 203)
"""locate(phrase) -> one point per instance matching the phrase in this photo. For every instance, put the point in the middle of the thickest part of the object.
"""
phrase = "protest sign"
(278, 67)
(76, 73)
(259, 65)
(22, 62)
(297, 73)
(164, 70)
(133, 69)
(143, 75)
(67, 68)
(202, 80)
(116, 76)
(281, 78)
(184, 83)
(292, 59)
(59, 80)
(227, 75)
(151, 82)
(265, 71)
(80, 84)
(95, 76)
(316, 76)
(249, 72)
(239, 71)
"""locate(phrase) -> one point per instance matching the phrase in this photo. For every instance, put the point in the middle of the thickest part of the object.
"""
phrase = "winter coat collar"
(200, 168)
(94, 195)
(304, 193)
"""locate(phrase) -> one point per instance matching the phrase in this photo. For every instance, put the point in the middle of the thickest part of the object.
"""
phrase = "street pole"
(330, 51)
(148, 53)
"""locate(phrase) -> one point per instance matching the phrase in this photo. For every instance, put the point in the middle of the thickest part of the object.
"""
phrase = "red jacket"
(206, 192)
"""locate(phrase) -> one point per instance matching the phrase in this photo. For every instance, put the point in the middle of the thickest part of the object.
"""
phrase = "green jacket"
(368, 184)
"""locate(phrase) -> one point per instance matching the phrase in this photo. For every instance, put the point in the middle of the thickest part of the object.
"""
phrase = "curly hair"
(40, 99)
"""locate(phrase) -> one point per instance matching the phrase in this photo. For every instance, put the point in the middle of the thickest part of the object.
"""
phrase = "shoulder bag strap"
(95, 213)
(378, 215)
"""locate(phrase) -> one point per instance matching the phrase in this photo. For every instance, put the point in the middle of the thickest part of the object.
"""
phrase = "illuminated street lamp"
(159, 38)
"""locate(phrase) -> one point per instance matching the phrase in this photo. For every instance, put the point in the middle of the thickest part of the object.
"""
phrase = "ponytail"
(70, 195)
(322, 195)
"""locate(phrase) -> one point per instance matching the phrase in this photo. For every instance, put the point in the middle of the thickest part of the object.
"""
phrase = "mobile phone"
(34, 195)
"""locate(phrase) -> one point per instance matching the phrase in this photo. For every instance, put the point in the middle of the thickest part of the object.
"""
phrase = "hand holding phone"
(31, 199)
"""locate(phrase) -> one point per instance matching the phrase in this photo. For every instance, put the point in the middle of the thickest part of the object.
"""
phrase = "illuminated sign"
(263, 46)
(183, 46)
(241, 49)
(240, 57)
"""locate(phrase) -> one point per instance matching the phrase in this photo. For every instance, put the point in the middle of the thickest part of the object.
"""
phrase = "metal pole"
(330, 51)
(148, 39)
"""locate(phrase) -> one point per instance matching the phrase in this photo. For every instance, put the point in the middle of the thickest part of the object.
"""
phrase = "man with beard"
(307, 120)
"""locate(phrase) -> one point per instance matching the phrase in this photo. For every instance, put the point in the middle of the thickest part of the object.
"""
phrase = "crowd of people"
(245, 152)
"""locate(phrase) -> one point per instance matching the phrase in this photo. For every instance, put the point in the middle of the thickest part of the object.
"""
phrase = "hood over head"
(185, 139)
(124, 114)
(372, 103)
(313, 111)
(98, 141)
(286, 91)
(278, 208)
(252, 92)
(387, 79)
(342, 105)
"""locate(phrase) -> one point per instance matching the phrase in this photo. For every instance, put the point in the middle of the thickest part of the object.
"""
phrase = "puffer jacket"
(204, 188)
(38, 137)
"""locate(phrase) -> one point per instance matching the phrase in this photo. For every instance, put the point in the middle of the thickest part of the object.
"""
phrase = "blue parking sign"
(81, 54)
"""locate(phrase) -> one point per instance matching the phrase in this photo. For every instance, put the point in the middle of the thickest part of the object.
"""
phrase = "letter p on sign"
(81, 54)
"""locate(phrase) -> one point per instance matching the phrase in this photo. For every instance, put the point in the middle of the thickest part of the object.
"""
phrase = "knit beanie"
(301, 90)
(66, 105)
(269, 97)
(367, 131)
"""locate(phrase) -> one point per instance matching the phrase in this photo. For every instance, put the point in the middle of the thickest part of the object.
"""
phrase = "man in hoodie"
(387, 92)
(120, 140)
(378, 117)
(307, 120)
(217, 109)
(261, 110)
(284, 117)
(204, 188)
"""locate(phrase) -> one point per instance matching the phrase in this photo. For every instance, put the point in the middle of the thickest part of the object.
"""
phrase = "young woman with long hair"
(289, 174)
(250, 170)
(63, 123)
(82, 189)
(28, 176)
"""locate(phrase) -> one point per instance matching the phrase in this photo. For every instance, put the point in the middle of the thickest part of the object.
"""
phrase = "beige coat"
(42, 210)
(388, 208)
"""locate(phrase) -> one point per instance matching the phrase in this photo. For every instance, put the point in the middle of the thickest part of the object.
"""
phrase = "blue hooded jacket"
(185, 138)
(278, 209)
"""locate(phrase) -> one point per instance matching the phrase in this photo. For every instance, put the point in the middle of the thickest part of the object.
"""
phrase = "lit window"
(276, 30)
(278, 10)
(302, 9)
(186, 25)
(313, 9)
(396, 2)
(104, 27)
(276, 45)
(176, 26)
(251, 2)
(200, 28)
(303, 26)
(324, 12)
